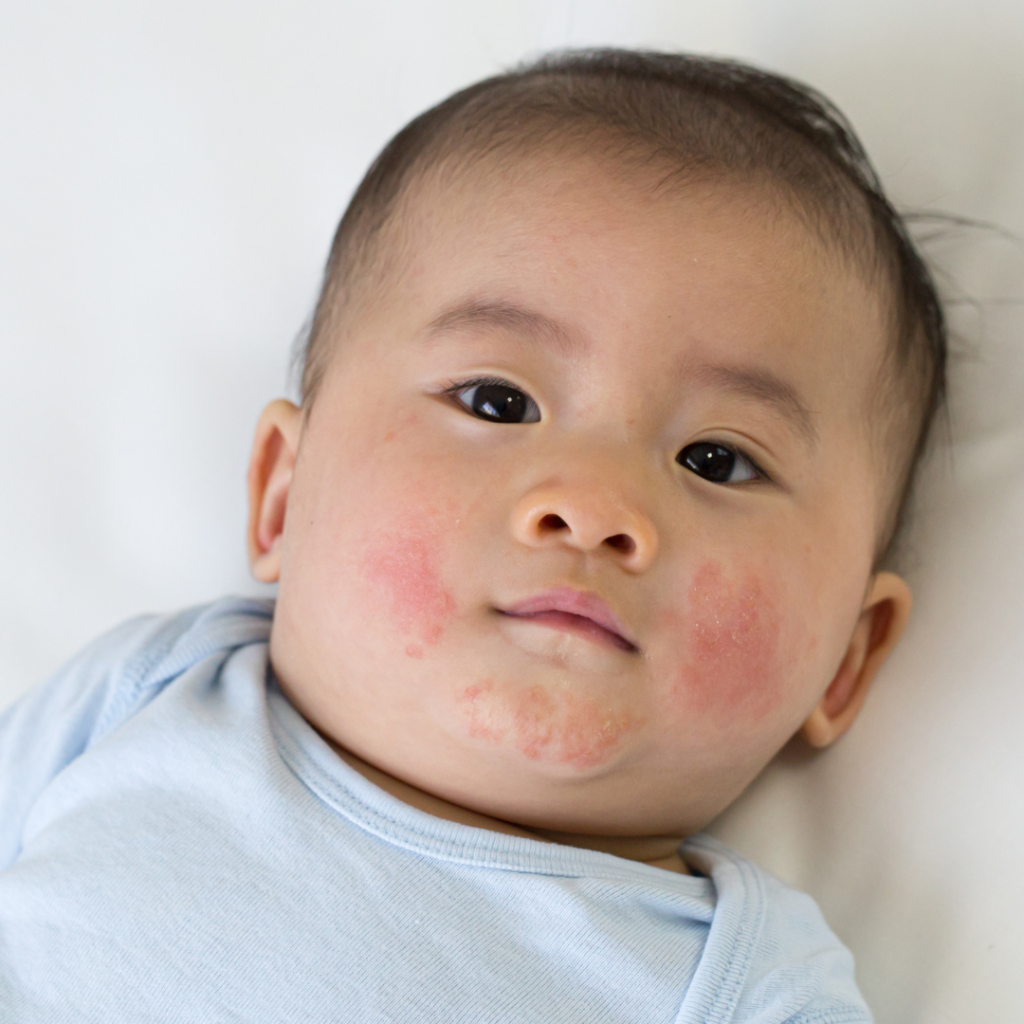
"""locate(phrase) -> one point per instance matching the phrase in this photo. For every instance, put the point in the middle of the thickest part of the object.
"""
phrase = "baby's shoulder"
(103, 687)
(784, 962)
(133, 662)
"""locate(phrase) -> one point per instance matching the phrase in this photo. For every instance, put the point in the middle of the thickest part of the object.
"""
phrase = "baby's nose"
(590, 517)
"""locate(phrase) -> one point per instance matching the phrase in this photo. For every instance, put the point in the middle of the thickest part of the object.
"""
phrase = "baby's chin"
(567, 730)
(558, 704)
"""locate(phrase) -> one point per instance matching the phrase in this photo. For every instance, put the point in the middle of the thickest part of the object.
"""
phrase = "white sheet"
(171, 176)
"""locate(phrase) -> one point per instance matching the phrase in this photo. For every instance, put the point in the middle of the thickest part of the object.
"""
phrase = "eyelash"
(454, 387)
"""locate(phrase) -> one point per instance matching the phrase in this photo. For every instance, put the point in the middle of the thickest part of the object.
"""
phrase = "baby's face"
(584, 512)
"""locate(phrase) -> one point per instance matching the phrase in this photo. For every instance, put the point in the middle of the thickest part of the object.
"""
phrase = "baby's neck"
(658, 851)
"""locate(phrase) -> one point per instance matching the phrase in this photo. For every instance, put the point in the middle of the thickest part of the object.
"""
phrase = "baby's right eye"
(496, 400)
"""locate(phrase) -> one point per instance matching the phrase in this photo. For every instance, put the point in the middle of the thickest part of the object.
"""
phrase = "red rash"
(732, 642)
(560, 728)
(399, 566)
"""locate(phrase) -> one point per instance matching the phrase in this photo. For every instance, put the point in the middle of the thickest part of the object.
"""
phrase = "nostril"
(552, 522)
(621, 542)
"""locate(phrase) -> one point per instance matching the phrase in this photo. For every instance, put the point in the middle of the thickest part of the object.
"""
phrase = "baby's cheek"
(400, 569)
(558, 728)
(733, 666)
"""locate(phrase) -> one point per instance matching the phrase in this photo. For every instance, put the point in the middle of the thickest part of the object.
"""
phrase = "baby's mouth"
(573, 611)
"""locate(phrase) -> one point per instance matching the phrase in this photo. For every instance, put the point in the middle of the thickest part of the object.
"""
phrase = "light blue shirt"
(178, 844)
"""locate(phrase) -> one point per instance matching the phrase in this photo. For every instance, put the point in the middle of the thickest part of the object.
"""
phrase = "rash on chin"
(557, 728)
(399, 566)
(731, 635)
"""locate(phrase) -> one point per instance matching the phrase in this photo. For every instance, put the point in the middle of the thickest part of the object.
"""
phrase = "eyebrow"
(511, 319)
(761, 386)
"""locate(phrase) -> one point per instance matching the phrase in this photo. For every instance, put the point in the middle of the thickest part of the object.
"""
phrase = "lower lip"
(577, 624)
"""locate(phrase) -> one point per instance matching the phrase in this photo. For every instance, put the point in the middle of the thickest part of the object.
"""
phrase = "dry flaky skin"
(556, 726)
(734, 667)
(555, 625)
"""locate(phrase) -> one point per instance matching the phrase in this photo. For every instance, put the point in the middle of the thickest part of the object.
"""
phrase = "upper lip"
(572, 602)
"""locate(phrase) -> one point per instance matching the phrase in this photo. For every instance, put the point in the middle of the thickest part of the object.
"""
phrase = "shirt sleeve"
(801, 973)
(52, 724)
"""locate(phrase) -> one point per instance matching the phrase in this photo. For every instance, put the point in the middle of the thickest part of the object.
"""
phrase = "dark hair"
(700, 116)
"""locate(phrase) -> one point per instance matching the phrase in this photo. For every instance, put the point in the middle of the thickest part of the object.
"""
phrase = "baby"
(610, 406)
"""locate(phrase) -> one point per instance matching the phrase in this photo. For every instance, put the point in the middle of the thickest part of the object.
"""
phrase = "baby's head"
(611, 401)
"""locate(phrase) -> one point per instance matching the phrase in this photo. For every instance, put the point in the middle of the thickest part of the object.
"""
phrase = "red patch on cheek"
(732, 648)
(400, 569)
(560, 728)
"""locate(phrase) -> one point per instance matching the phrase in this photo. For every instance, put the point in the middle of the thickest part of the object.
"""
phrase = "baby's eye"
(497, 401)
(717, 463)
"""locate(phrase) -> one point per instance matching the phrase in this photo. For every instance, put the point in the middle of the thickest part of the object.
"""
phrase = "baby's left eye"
(717, 463)
(496, 400)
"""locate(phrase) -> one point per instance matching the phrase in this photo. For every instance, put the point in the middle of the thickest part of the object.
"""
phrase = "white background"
(170, 177)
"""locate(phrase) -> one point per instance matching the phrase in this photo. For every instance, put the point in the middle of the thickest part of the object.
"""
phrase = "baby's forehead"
(542, 204)
(602, 184)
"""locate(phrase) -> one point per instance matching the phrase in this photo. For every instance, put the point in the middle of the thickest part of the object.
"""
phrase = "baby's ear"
(269, 479)
(882, 620)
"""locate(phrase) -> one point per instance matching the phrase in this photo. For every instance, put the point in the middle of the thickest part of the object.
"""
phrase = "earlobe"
(881, 623)
(271, 465)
